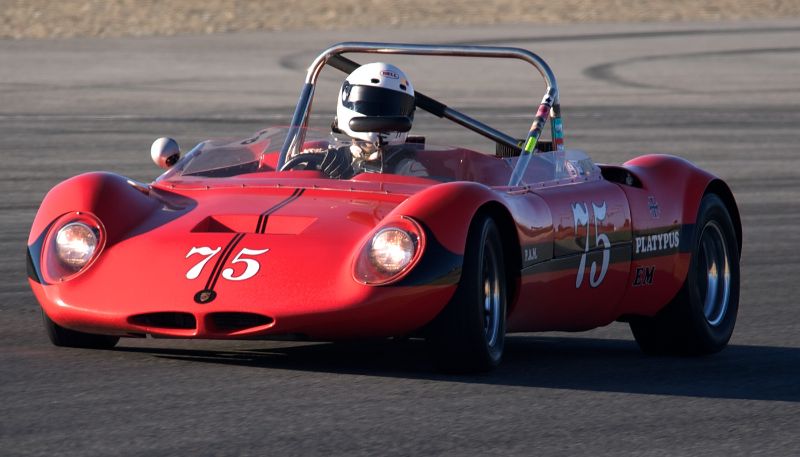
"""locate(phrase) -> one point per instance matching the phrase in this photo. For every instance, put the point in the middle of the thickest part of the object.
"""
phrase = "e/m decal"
(644, 276)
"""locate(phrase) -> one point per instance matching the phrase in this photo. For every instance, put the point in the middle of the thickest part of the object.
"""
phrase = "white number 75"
(251, 268)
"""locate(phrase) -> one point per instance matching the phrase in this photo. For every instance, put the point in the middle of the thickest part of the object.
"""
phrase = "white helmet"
(375, 89)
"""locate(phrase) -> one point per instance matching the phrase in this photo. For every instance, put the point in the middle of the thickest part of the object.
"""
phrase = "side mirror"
(380, 124)
(165, 152)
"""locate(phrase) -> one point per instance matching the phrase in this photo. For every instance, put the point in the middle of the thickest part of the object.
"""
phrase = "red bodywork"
(581, 252)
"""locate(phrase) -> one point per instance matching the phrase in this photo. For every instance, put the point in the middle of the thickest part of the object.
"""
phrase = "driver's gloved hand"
(336, 163)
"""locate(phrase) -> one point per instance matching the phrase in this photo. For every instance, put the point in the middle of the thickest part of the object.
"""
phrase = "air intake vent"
(232, 322)
(165, 320)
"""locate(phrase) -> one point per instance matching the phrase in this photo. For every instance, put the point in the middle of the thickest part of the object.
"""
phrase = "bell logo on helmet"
(390, 74)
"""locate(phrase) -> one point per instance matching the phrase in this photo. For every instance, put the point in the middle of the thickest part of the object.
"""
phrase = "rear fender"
(666, 196)
(685, 183)
(720, 188)
(663, 171)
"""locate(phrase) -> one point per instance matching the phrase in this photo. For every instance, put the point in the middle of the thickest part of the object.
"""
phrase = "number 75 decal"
(580, 213)
(251, 265)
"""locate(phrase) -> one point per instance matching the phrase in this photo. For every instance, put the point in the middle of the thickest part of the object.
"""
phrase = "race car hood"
(278, 251)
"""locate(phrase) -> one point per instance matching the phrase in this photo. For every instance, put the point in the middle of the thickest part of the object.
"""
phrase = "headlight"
(390, 252)
(75, 244)
(72, 244)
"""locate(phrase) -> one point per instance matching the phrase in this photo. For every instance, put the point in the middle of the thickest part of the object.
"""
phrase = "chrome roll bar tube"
(549, 104)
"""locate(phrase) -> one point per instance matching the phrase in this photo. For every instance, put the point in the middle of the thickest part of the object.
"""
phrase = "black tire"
(469, 334)
(701, 317)
(63, 337)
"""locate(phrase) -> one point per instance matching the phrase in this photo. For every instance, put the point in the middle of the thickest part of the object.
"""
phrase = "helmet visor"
(376, 101)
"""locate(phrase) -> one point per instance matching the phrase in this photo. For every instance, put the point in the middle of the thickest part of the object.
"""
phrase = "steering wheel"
(311, 160)
(335, 163)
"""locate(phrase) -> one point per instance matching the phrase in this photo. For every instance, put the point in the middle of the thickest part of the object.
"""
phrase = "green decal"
(530, 144)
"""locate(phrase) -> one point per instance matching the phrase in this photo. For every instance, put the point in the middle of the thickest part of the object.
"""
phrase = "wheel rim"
(714, 274)
(492, 304)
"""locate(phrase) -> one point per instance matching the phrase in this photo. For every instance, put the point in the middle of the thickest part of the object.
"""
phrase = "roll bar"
(548, 108)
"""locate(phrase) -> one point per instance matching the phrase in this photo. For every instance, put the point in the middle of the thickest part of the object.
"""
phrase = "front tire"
(701, 317)
(469, 334)
(63, 337)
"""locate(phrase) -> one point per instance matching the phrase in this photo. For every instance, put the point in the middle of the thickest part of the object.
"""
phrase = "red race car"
(368, 232)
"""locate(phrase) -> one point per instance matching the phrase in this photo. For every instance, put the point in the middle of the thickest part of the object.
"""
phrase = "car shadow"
(738, 372)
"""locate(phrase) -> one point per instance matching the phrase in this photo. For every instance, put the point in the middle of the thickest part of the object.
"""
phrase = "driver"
(377, 90)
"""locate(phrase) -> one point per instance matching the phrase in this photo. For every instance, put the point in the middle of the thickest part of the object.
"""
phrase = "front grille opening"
(165, 320)
(232, 322)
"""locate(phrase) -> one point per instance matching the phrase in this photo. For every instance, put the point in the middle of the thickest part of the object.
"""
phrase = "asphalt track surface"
(725, 96)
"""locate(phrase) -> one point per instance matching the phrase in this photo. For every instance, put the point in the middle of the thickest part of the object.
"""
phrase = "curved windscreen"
(230, 158)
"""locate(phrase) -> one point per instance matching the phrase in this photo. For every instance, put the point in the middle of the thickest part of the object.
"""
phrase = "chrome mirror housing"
(165, 152)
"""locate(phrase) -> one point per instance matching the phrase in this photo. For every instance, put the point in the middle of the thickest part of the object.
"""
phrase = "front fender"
(447, 210)
(108, 196)
(125, 210)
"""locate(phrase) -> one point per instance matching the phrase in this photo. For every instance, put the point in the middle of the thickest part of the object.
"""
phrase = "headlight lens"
(76, 243)
(391, 250)
(72, 244)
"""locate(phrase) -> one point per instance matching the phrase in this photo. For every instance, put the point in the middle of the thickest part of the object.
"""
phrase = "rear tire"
(701, 317)
(63, 337)
(469, 334)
